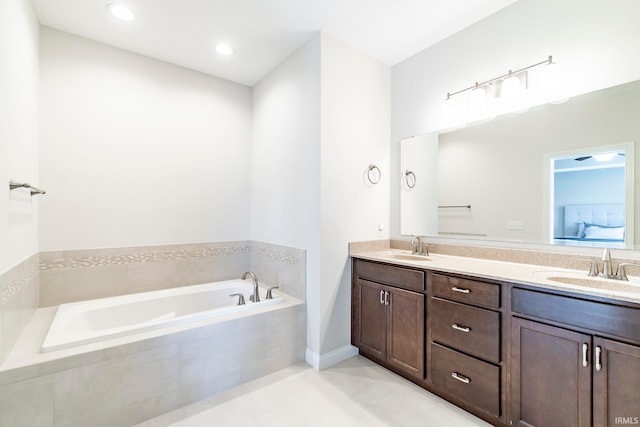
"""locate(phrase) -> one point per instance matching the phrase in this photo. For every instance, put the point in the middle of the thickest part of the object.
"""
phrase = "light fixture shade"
(121, 11)
(549, 83)
(477, 103)
(510, 89)
(604, 157)
(224, 49)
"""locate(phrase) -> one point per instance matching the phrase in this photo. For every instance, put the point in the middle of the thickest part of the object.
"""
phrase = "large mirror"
(558, 173)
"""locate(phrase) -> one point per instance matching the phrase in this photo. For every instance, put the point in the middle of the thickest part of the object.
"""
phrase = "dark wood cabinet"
(389, 326)
(372, 318)
(405, 331)
(472, 330)
(550, 376)
(465, 337)
(564, 377)
(616, 378)
(512, 354)
(469, 379)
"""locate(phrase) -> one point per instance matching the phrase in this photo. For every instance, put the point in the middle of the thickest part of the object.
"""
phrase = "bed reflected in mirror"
(588, 193)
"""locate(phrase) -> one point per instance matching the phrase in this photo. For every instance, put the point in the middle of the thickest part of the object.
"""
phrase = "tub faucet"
(256, 295)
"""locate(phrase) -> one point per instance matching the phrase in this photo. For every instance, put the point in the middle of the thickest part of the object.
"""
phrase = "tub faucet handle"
(269, 295)
(240, 298)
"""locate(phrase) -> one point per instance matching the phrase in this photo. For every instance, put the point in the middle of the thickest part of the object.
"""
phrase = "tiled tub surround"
(19, 300)
(126, 380)
(69, 276)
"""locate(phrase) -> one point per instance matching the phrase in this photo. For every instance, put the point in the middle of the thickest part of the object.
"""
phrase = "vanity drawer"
(601, 317)
(465, 290)
(470, 329)
(468, 379)
(390, 275)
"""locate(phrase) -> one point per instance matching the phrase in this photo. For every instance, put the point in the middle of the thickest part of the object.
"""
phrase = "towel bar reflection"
(454, 206)
(34, 190)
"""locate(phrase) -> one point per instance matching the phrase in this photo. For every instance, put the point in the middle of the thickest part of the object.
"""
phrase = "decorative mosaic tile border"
(280, 255)
(15, 279)
(150, 255)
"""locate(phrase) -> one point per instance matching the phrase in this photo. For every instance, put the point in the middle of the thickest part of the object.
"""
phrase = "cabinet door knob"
(461, 378)
(461, 290)
(386, 298)
(585, 353)
(382, 297)
(598, 358)
(461, 328)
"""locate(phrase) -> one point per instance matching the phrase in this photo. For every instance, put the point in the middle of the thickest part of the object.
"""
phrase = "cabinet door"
(550, 376)
(616, 376)
(405, 331)
(372, 318)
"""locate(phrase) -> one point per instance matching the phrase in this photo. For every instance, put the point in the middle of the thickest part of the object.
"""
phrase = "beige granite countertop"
(527, 274)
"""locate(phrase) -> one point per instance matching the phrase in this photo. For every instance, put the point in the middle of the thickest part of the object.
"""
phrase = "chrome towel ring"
(375, 172)
(410, 178)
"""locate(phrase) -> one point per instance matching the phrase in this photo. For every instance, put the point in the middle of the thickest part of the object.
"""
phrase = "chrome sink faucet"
(419, 247)
(256, 294)
(607, 267)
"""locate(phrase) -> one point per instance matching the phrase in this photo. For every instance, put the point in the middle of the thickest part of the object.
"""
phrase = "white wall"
(355, 132)
(285, 198)
(135, 151)
(593, 41)
(320, 118)
(18, 131)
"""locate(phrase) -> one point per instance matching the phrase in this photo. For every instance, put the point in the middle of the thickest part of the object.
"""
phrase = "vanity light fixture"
(499, 95)
(503, 78)
(121, 11)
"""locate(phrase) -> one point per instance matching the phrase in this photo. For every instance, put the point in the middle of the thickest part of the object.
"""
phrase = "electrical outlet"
(515, 225)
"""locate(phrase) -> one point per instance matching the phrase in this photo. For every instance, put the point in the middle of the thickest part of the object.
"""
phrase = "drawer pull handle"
(461, 328)
(585, 357)
(382, 297)
(461, 378)
(386, 298)
(598, 358)
(461, 290)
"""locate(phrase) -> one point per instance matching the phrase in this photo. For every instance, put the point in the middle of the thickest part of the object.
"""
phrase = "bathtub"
(95, 320)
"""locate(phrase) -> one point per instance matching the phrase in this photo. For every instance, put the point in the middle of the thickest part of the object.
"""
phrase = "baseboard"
(323, 361)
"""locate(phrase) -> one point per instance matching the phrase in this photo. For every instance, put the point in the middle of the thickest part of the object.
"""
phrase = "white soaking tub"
(95, 320)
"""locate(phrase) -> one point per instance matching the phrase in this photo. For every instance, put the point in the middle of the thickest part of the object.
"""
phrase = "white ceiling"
(264, 32)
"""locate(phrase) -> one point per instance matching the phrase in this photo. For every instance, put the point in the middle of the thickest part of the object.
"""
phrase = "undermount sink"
(404, 257)
(614, 285)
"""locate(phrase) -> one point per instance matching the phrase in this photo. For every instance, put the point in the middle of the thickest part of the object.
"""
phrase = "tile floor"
(356, 393)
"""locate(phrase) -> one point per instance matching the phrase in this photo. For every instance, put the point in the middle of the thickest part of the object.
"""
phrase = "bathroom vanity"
(507, 342)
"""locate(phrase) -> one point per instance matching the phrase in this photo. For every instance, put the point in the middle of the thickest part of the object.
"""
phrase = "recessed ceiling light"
(121, 11)
(224, 49)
